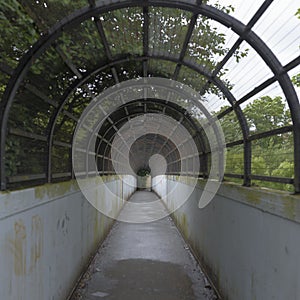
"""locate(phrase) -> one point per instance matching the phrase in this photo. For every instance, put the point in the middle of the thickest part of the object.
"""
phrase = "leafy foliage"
(271, 156)
(23, 22)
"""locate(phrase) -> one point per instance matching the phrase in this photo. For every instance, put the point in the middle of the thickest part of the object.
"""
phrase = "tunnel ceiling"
(56, 56)
(149, 144)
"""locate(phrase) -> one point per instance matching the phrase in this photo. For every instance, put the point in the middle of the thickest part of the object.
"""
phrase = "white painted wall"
(248, 240)
(48, 235)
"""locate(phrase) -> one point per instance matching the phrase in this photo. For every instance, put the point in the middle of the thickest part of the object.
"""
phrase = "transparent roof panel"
(15, 41)
(83, 46)
(124, 30)
(162, 68)
(242, 10)
(245, 73)
(267, 110)
(208, 48)
(279, 27)
(3, 82)
(235, 160)
(273, 90)
(50, 74)
(273, 156)
(192, 78)
(214, 102)
(64, 130)
(295, 77)
(30, 113)
(29, 156)
(61, 159)
(130, 70)
(46, 13)
(168, 28)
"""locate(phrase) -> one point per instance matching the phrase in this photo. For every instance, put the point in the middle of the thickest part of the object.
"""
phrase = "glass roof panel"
(244, 73)
(242, 10)
(267, 110)
(295, 77)
(214, 101)
(279, 28)
(209, 42)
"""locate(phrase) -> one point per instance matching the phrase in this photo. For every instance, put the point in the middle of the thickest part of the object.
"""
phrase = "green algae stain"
(184, 225)
(55, 190)
(252, 196)
(289, 208)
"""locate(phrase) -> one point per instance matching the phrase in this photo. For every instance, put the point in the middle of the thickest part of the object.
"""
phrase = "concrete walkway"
(147, 261)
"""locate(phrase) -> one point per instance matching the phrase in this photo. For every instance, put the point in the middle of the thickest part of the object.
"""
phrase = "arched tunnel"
(149, 149)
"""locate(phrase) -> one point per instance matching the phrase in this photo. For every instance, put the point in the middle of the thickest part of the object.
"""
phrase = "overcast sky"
(280, 30)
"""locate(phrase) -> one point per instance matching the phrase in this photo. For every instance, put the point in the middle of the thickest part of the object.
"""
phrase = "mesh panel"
(3, 82)
(82, 45)
(231, 126)
(15, 41)
(273, 156)
(30, 113)
(118, 22)
(209, 43)
(161, 68)
(61, 159)
(50, 74)
(25, 156)
(47, 12)
(235, 160)
(168, 28)
(245, 70)
(268, 110)
(64, 130)
(130, 70)
(192, 78)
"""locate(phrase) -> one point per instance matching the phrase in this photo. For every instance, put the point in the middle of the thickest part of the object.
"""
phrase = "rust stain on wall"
(18, 248)
(36, 241)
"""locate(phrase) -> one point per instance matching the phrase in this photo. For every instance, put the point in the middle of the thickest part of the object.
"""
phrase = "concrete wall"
(48, 235)
(247, 240)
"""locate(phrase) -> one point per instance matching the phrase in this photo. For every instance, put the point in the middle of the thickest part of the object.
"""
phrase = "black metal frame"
(197, 8)
(119, 122)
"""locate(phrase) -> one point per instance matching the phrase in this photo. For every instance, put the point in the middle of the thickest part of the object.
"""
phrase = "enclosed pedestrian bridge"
(149, 149)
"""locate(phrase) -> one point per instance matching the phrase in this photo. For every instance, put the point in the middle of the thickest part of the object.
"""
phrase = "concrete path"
(147, 261)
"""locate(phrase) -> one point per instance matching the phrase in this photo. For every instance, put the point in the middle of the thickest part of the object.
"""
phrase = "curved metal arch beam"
(186, 117)
(194, 6)
(194, 126)
(207, 115)
(45, 41)
(173, 157)
(193, 66)
(53, 34)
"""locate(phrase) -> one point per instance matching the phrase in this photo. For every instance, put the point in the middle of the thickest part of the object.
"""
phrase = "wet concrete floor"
(147, 261)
